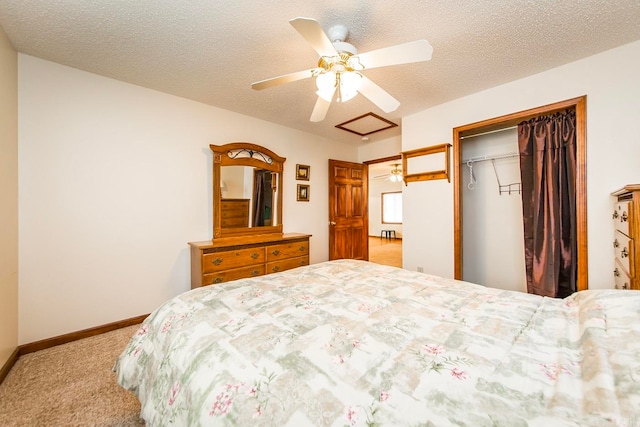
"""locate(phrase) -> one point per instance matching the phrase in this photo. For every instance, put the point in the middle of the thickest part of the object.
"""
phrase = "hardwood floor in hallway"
(385, 251)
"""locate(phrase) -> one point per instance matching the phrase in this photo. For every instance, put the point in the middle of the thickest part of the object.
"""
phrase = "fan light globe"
(346, 83)
(326, 83)
(349, 84)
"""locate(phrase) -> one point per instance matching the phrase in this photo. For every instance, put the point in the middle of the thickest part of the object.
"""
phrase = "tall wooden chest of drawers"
(626, 241)
(230, 258)
(234, 213)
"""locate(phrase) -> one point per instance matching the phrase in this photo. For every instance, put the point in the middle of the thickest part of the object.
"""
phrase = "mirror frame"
(245, 154)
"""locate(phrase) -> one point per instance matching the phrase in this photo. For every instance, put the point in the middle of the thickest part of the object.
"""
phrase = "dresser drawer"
(232, 258)
(234, 204)
(228, 275)
(287, 264)
(287, 250)
(623, 247)
(225, 260)
(621, 216)
(622, 279)
(235, 213)
(242, 221)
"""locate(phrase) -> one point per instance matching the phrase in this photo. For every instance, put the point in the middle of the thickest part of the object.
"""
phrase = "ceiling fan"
(394, 176)
(340, 67)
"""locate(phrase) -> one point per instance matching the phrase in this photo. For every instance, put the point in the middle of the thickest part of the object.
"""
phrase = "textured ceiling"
(211, 51)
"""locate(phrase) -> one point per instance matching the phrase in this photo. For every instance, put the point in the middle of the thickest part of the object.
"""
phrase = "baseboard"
(66, 338)
(9, 364)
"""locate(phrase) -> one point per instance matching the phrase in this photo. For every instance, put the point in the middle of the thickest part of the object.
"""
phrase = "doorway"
(385, 209)
(498, 123)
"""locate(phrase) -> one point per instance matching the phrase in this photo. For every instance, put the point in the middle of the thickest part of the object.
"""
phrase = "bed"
(356, 343)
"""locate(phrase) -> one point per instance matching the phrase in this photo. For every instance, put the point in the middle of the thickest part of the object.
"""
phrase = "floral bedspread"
(351, 343)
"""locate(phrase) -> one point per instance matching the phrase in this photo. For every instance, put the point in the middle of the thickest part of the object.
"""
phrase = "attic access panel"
(366, 124)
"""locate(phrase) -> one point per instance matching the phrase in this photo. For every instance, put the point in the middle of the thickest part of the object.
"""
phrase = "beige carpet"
(70, 385)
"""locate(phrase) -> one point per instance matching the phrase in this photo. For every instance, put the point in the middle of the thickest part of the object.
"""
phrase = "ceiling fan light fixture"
(346, 83)
(326, 83)
(396, 174)
(349, 83)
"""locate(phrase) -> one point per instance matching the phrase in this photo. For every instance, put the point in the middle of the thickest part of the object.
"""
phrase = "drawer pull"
(616, 272)
(615, 214)
(624, 253)
(255, 272)
(625, 286)
(302, 248)
(615, 243)
(276, 252)
(275, 268)
(218, 280)
(217, 261)
(255, 255)
(302, 262)
(624, 217)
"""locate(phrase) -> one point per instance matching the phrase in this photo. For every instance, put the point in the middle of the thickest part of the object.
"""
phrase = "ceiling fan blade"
(320, 109)
(378, 96)
(287, 78)
(417, 51)
(312, 32)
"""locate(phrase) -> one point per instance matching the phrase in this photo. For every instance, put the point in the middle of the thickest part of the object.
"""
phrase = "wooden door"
(348, 210)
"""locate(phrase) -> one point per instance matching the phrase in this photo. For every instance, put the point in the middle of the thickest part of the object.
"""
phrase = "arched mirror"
(247, 190)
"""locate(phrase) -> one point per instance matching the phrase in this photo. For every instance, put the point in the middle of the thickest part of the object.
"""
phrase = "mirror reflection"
(248, 197)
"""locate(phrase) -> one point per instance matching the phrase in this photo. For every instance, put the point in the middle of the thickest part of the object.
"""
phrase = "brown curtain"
(548, 170)
(259, 186)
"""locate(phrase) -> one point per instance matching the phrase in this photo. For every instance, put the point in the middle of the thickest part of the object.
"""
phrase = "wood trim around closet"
(509, 120)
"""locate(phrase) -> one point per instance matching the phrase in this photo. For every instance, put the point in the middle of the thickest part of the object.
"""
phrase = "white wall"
(115, 179)
(493, 244)
(380, 149)
(8, 198)
(610, 81)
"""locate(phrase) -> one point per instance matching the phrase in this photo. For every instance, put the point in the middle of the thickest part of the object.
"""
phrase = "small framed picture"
(303, 193)
(303, 172)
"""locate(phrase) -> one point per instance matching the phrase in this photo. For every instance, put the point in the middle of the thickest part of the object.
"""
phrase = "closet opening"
(496, 167)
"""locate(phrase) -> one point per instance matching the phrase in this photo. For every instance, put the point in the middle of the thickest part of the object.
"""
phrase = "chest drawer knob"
(302, 248)
(615, 243)
(255, 272)
(218, 280)
(624, 253)
(276, 252)
(275, 268)
(616, 272)
(255, 255)
(217, 261)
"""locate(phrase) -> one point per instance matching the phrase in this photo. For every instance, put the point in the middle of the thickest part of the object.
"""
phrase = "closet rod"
(489, 132)
(494, 157)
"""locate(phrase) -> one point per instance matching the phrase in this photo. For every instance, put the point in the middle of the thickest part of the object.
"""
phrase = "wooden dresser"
(230, 258)
(626, 241)
(234, 213)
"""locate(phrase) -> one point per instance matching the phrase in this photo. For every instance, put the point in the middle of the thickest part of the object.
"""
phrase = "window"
(392, 208)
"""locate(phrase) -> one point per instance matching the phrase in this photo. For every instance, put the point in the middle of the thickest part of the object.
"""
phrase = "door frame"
(510, 120)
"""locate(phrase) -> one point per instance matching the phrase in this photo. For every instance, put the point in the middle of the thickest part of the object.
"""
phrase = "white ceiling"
(211, 51)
